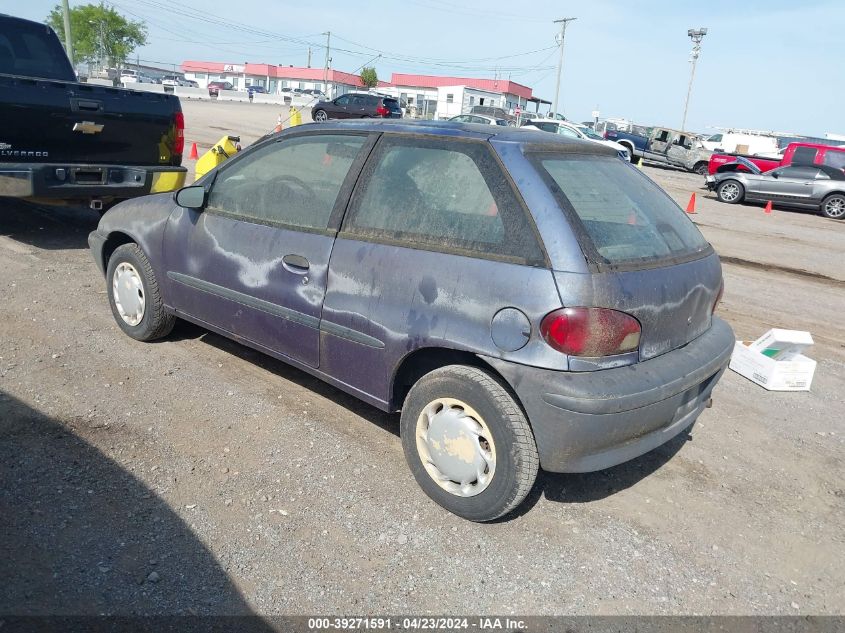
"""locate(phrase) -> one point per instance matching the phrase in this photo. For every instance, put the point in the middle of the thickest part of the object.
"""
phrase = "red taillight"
(382, 111)
(179, 139)
(591, 331)
(718, 297)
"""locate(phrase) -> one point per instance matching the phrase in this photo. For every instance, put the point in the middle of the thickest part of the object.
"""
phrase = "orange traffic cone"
(278, 127)
(194, 155)
(691, 204)
(768, 208)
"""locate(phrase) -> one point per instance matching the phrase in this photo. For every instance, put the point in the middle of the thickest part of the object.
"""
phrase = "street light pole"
(328, 35)
(68, 40)
(563, 22)
(696, 35)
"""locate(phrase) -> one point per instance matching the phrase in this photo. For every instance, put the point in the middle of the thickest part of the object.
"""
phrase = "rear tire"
(701, 169)
(833, 206)
(134, 295)
(730, 192)
(320, 116)
(460, 419)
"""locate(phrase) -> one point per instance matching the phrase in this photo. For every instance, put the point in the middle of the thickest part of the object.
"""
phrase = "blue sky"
(772, 64)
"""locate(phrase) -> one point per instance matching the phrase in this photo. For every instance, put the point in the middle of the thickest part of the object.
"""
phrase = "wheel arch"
(419, 362)
(113, 241)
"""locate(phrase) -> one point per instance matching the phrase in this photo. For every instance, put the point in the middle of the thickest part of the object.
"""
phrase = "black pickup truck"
(64, 142)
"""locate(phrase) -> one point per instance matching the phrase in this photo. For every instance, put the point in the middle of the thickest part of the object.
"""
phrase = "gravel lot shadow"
(386, 421)
(587, 487)
(49, 228)
(82, 536)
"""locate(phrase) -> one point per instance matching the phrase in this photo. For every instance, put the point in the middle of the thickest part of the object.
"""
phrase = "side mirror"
(775, 175)
(191, 197)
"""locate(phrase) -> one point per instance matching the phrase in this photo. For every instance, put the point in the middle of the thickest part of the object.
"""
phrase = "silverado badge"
(87, 127)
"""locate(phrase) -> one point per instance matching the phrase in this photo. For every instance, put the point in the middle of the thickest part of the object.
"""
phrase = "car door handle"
(296, 264)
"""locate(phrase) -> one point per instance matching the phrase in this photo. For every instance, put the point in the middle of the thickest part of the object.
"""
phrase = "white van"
(741, 143)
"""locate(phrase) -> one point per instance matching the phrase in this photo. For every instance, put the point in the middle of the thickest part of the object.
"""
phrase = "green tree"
(100, 34)
(369, 77)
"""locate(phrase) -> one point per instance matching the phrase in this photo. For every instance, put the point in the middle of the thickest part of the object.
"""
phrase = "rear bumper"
(75, 181)
(587, 421)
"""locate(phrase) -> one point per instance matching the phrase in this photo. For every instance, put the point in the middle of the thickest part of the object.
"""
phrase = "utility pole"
(563, 22)
(309, 58)
(68, 40)
(328, 35)
(696, 35)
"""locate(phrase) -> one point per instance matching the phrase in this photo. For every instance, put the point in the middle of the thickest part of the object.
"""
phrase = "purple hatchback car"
(525, 301)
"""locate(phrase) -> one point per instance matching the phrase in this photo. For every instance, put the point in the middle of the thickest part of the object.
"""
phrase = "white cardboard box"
(782, 344)
(795, 374)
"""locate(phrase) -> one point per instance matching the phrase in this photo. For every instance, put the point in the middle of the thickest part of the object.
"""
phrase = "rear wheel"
(833, 206)
(700, 169)
(468, 443)
(134, 295)
(731, 192)
(320, 116)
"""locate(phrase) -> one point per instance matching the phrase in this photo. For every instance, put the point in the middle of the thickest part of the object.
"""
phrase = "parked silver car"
(819, 187)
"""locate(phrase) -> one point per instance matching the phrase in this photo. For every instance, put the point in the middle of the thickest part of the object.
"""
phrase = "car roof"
(478, 131)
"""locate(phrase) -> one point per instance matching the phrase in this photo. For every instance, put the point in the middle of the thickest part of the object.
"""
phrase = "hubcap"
(321, 116)
(835, 207)
(730, 192)
(128, 293)
(456, 447)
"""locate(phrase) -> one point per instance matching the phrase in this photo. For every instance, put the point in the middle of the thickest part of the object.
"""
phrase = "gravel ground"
(196, 476)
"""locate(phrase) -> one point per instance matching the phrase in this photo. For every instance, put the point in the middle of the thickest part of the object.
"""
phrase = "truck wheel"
(700, 169)
(731, 192)
(320, 116)
(134, 295)
(630, 149)
(468, 443)
(833, 206)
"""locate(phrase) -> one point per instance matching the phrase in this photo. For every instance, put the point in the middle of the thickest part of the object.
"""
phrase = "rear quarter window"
(443, 195)
(622, 217)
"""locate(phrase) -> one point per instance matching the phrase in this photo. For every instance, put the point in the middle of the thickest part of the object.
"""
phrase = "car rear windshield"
(625, 219)
(32, 50)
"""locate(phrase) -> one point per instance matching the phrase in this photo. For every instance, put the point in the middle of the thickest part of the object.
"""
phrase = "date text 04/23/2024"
(422, 623)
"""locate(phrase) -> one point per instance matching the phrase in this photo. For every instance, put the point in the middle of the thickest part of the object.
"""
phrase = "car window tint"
(834, 159)
(32, 50)
(565, 131)
(797, 172)
(625, 216)
(441, 194)
(342, 101)
(804, 155)
(546, 126)
(293, 182)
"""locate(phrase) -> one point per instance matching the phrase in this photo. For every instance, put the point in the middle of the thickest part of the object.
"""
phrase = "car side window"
(804, 155)
(834, 159)
(441, 194)
(797, 172)
(342, 101)
(293, 182)
(565, 131)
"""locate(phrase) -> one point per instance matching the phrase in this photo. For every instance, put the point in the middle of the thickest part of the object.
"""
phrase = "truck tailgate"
(49, 121)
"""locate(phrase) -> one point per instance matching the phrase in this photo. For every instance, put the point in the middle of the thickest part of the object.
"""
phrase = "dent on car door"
(435, 243)
(253, 264)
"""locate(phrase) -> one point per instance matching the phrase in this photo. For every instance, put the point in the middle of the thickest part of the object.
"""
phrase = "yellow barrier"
(225, 148)
(295, 117)
(167, 181)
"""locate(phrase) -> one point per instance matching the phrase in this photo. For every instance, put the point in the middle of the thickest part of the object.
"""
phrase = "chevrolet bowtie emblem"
(88, 127)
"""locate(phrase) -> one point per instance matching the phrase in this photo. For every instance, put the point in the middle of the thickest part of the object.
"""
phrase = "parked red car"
(798, 153)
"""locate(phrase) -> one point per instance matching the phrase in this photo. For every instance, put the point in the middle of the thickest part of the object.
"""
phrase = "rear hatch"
(645, 255)
(393, 106)
(62, 122)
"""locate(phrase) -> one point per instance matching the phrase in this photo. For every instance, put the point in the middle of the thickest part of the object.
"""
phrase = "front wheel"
(833, 206)
(731, 192)
(320, 116)
(134, 295)
(468, 443)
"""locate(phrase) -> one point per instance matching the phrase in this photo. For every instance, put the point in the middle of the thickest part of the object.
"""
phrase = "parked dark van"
(357, 106)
